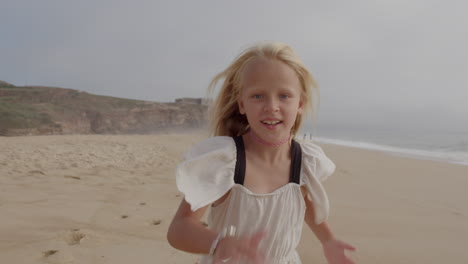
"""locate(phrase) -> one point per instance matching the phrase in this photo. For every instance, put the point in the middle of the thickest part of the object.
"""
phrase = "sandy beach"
(109, 199)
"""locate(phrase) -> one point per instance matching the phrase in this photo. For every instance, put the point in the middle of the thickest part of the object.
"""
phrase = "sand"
(110, 199)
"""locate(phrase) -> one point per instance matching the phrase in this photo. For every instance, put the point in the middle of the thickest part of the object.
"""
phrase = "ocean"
(443, 144)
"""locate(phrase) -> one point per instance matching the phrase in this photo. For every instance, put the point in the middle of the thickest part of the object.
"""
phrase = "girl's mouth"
(268, 122)
(271, 124)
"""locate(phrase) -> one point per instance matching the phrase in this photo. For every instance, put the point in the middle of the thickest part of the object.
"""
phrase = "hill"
(40, 110)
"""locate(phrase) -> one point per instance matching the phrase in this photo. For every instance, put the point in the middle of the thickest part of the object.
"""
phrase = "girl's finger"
(257, 238)
(253, 247)
(348, 246)
(246, 249)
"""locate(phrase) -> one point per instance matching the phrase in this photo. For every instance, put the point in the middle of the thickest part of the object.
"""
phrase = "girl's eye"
(284, 96)
(257, 96)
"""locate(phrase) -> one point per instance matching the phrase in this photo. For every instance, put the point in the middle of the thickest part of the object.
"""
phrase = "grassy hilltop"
(36, 110)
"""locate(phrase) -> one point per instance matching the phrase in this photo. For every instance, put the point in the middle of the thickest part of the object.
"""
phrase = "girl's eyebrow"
(255, 89)
(286, 90)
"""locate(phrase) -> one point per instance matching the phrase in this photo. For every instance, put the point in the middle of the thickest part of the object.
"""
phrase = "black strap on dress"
(239, 171)
(296, 160)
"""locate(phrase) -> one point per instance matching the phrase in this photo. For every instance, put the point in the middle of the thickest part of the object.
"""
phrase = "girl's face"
(270, 98)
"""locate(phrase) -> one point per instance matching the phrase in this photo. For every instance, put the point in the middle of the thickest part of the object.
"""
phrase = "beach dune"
(110, 199)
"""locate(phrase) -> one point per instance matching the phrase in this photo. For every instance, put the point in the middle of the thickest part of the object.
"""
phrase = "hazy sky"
(394, 61)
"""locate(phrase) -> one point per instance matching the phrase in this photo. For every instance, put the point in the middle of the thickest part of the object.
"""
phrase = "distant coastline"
(41, 110)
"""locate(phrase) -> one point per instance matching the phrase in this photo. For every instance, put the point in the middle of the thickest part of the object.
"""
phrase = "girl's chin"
(272, 134)
(274, 130)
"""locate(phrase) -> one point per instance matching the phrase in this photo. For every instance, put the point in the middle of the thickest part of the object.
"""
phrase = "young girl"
(259, 183)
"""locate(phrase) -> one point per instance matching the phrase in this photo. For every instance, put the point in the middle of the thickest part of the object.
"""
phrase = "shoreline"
(459, 158)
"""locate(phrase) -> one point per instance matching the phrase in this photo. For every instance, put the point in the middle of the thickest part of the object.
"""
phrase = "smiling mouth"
(271, 122)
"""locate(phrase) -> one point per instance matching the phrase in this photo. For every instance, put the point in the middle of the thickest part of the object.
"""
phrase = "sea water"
(443, 144)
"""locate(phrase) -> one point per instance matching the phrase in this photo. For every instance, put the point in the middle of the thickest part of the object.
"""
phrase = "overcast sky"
(395, 61)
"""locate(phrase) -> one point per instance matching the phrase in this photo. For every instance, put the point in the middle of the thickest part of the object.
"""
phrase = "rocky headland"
(40, 110)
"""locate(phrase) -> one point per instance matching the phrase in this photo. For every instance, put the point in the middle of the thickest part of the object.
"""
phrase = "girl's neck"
(257, 139)
(271, 152)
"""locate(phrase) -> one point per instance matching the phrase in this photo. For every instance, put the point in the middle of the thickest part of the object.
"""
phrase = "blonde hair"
(226, 119)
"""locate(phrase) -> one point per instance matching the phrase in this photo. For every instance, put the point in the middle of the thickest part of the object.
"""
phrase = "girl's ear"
(301, 107)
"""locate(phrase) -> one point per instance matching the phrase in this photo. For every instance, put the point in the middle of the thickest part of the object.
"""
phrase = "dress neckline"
(275, 192)
(296, 161)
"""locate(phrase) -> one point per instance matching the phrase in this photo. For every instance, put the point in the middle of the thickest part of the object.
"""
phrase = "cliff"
(38, 110)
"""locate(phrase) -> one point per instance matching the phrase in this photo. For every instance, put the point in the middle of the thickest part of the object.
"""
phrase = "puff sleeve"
(316, 167)
(207, 171)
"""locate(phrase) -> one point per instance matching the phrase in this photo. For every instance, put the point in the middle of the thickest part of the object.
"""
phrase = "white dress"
(207, 173)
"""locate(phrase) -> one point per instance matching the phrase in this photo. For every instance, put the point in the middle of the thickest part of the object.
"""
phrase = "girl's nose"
(271, 105)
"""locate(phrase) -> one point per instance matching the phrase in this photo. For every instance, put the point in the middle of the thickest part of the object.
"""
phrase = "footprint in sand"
(156, 222)
(36, 172)
(344, 171)
(72, 177)
(74, 237)
(53, 256)
(457, 213)
(49, 252)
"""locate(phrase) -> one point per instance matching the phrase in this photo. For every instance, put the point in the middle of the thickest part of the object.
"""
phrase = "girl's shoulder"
(207, 171)
(316, 167)
(211, 146)
(315, 162)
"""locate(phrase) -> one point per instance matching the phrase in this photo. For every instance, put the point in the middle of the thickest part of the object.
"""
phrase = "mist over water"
(448, 143)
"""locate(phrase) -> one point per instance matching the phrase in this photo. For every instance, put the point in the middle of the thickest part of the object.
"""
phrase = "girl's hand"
(334, 251)
(231, 249)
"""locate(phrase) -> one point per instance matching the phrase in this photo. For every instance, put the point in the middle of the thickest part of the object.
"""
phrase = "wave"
(444, 155)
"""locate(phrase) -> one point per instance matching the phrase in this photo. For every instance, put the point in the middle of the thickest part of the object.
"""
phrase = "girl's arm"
(187, 233)
(322, 231)
(333, 248)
